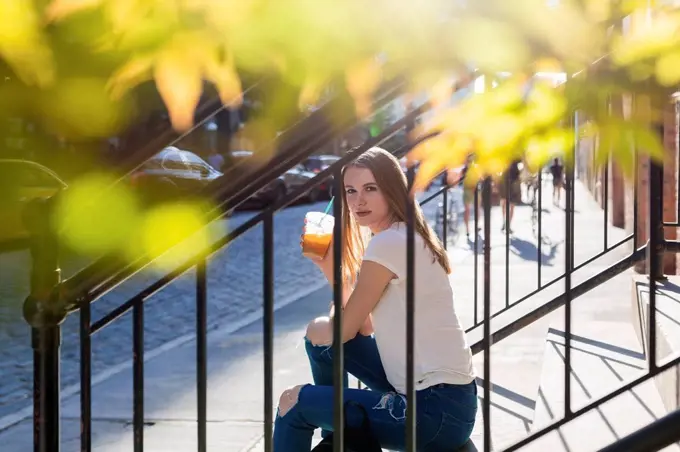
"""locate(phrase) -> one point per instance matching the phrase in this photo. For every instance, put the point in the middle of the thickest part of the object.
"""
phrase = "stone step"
(667, 331)
(605, 355)
(515, 373)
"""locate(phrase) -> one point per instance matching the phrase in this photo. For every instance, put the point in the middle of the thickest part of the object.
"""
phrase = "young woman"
(374, 326)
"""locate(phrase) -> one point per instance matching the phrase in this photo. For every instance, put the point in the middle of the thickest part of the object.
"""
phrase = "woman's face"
(365, 200)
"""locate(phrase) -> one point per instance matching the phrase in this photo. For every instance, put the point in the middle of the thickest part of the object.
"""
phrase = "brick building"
(619, 190)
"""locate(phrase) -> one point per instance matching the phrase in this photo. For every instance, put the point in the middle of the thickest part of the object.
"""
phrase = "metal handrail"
(555, 280)
(229, 194)
(557, 302)
(598, 402)
(655, 436)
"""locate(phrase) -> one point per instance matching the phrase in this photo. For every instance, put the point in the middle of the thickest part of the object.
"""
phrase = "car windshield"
(170, 158)
(193, 159)
(174, 164)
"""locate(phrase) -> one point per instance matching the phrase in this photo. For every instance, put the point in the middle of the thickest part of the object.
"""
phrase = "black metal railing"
(47, 306)
(52, 300)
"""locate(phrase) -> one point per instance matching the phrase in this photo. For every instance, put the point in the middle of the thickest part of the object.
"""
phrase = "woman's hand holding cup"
(316, 240)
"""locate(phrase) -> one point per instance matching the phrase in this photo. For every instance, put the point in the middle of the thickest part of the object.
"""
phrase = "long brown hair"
(392, 184)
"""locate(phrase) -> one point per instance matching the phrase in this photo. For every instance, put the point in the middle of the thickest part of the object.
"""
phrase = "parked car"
(318, 163)
(298, 176)
(22, 182)
(271, 193)
(171, 174)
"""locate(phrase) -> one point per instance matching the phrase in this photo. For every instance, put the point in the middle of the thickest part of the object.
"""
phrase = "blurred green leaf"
(75, 61)
(23, 43)
(60, 9)
(668, 68)
(81, 108)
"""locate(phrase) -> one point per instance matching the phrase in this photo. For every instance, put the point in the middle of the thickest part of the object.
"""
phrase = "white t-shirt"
(442, 354)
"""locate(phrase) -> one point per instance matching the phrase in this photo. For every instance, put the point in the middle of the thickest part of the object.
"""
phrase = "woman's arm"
(372, 281)
(365, 330)
(326, 267)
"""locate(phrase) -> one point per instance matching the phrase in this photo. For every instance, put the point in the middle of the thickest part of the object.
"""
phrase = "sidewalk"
(235, 361)
(522, 255)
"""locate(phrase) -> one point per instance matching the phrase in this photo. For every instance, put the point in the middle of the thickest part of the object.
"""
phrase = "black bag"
(357, 439)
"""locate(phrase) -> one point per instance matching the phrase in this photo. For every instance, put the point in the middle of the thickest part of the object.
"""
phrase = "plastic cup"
(317, 234)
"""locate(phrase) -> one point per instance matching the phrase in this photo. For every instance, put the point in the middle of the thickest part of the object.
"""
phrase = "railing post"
(445, 215)
(411, 408)
(486, 405)
(338, 352)
(43, 312)
(655, 249)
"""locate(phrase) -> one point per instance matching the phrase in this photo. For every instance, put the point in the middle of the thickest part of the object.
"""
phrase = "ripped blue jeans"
(445, 413)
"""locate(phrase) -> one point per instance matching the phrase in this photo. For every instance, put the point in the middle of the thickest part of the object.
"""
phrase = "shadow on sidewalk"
(525, 249)
(529, 251)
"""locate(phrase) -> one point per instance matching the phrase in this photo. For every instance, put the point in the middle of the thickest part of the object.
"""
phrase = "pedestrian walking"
(557, 171)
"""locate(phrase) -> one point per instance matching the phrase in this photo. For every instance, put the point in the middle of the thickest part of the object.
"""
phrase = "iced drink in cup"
(317, 234)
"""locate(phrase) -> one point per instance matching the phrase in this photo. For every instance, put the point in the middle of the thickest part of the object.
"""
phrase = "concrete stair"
(515, 372)
(667, 331)
(605, 355)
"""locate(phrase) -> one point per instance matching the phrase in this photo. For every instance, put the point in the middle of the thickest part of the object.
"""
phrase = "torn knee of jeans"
(320, 351)
(320, 331)
(395, 403)
(289, 399)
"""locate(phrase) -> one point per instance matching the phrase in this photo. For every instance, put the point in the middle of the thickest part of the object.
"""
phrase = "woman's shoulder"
(394, 234)
(389, 239)
(393, 238)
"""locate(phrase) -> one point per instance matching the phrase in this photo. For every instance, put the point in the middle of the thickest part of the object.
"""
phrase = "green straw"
(328, 207)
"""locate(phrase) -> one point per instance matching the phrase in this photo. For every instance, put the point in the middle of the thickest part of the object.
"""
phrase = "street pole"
(43, 312)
